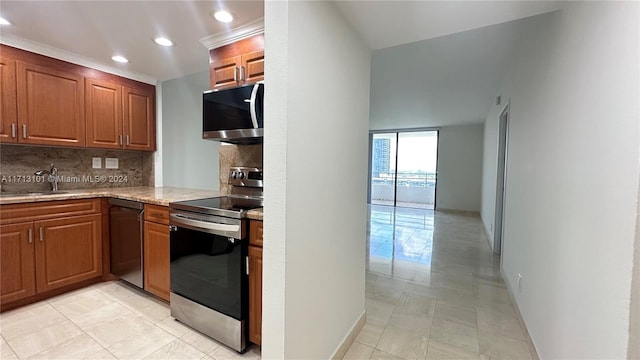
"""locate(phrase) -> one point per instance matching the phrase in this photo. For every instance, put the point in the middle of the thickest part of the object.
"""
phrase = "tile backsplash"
(18, 164)
(237, 155)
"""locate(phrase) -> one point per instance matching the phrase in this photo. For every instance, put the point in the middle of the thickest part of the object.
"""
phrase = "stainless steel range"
(209, 282)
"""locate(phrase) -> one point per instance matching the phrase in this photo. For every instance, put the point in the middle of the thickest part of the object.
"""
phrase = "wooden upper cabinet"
(46, 101)
(68, 250)
(104, 114)
(8, 101)
(18, 269)
(238, 63)
(139, 119)
(253, 67)
(238, 70)
(224, 73)
(50, 106)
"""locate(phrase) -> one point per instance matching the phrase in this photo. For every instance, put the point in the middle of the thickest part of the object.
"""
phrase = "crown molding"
(42, 49)
(255, 27)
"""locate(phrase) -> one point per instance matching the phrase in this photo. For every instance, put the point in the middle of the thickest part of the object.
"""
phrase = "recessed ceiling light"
(4, 21)
(120, 59)
(163, 41)
(223, 16)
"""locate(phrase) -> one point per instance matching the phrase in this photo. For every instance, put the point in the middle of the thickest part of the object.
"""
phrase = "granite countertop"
(255, 214)
(152, 195)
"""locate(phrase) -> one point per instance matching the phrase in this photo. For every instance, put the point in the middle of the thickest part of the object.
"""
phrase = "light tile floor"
(434, 291)
(105, 321)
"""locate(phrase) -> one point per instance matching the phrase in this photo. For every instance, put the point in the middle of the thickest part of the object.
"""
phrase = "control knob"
(240, 175)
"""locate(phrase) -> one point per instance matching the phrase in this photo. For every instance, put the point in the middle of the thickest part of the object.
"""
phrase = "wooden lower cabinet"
(156, 259)
(255, 282)
(48, 246)
(255, 294)
(17, 262)
(68, 250)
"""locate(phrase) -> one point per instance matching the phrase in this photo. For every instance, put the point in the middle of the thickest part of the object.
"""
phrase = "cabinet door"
(104, 114)
(50, 106)
(156, 259)
(255, 233)
(68, 250)
(139, 119)
(224, 73)
(253, 67)
(17, 264)
(255, 294)
(8, 101)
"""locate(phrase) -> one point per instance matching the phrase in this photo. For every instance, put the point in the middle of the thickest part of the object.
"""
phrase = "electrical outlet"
(96, 163)
(111, 163)
(519, 279)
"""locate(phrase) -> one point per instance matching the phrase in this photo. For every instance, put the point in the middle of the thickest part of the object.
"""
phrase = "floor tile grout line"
(54, 324)
(81, 329)
(9, 345)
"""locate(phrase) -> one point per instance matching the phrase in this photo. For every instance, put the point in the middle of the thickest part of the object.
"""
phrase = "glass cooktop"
(223, 205)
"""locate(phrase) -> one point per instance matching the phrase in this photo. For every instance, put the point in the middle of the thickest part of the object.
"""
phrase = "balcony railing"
(411, 188)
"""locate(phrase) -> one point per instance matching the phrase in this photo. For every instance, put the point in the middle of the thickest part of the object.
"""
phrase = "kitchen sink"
(40, 193)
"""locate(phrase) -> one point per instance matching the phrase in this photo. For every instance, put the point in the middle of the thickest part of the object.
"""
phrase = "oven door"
(209, 268)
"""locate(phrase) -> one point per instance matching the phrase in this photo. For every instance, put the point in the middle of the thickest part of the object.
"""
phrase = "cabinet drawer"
(255, 233)
(157, 214)
(15, 213)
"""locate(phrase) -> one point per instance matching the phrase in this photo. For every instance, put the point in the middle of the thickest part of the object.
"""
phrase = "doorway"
(403, 168)
(503, 137)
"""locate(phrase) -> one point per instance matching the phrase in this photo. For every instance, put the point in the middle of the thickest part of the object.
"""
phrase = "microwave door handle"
(252, 106)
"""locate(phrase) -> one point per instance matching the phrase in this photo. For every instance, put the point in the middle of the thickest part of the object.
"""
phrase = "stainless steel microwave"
(233, 115)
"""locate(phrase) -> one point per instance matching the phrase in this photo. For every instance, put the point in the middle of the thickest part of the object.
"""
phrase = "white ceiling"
(384, 24)
(449, 80)
(93, 31)
(97, 30)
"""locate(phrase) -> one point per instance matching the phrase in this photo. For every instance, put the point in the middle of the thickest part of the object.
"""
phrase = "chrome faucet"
(52, 178)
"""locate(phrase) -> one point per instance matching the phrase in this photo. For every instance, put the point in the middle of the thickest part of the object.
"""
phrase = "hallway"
(434, 291)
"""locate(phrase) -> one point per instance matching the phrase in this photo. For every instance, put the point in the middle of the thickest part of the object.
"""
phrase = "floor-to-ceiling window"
(403, 168)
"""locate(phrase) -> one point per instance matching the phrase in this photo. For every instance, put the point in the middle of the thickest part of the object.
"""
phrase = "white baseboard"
(348, 339)
(532, 347)
(459, 212)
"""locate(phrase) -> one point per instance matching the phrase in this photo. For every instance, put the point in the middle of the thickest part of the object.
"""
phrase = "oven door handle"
(180, 219)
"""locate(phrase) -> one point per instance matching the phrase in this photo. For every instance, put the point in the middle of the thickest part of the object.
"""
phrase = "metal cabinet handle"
(30, 235)
(246, 259)
(241, 73)
(120, 139)
(128, 142)
(14, 130)
(235, 73)
(24, 131)
(41, 234)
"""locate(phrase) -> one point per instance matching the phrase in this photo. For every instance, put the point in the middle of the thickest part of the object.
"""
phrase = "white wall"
(459, 168)
(443, 81)
(315, 158)
(157, 155)
(634, 313)
(572, 177)
(188, 160)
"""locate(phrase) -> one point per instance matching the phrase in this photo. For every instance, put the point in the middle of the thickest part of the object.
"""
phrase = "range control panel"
(245, 176)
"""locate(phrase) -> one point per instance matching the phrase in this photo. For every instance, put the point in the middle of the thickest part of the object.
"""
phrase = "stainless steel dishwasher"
(126, 237)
